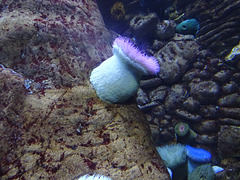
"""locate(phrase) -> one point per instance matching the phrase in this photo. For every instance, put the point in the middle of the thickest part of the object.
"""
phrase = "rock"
(204, 74)
(214, 65)
(144, 25)
(236, 77)
(230, 112)
(206, 139)
(228, 141)
(198, 65)
(229, 121)
(155, 134)
(159, 93)
(178, 94)
(142, 97)
(190, 75)
(12, 95)
(63, 130)
(222, 76)
(157, 45)
(165, 29)
(206, 126)
(181, 37)
(188, 116)
(230, 87)
(158, 111)
(232, 100)
(42, 55)
(165, 136)
(148, 106)
(175, 59)
(191, 104)
(219, 22)
(154, 82)
(209, 111)
(205, 92)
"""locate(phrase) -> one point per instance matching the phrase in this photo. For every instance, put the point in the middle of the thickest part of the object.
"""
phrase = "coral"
(190, 26)
(118, 11)
(203, 172)
(117, 78)
(173, 155)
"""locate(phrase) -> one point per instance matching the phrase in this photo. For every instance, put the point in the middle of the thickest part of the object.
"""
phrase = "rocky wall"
(52, 124)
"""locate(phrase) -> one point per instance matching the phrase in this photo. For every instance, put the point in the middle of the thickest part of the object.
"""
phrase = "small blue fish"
(190, 26)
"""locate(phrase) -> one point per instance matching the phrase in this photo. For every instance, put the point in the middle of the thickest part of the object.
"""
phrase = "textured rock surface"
(58, 128)
(165, 29)
(229, 134)
(219, 21)
(30, 42)
(205, 95)
(144, 25)
(176, 57)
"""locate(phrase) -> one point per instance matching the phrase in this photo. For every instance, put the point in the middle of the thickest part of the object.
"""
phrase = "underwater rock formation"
(56, 127)
(219, 22)
(205, 95)
(176, 57)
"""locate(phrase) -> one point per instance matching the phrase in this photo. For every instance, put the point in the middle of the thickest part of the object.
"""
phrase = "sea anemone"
(184, 134)
(173, 155)
(181, 129)
(117, 78)
(197, 157)
(94, 177)
(202, 172)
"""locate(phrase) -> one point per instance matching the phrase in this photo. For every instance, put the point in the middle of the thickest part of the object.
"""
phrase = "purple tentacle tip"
(149, 63)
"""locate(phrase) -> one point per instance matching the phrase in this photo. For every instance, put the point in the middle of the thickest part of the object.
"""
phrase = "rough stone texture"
(178, 94)
(176, 57)
(165, 29)
(142, 98)
(229, 141)
(206, 98)
(207, 126)
(30, 42)
(159, 93)
(219, 22)
(58, 128)
(232, 100)
(188, 116)
(205, 91)
(191, 104)
(144, 25)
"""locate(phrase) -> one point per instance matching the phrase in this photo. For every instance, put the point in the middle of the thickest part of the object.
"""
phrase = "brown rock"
(206, 126)
(230, 112)
(175, 58)
(63, 130)
(229, 141)
(207, 139)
